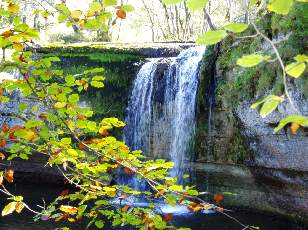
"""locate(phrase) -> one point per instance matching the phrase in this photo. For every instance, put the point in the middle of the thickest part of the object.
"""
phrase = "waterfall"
(161, 115)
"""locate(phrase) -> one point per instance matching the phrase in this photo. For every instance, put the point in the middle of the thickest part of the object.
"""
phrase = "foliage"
(293, 69)
(59, 127)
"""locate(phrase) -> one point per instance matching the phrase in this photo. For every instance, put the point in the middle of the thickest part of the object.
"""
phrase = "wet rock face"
(282, 150)
(279, 161)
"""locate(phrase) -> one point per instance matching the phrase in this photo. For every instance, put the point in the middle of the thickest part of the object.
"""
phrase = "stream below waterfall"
(34, 194)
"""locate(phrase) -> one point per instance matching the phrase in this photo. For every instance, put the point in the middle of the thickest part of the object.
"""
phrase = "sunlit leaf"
(60, 105)
(211, 37)
(280, 6)
(301, 58)
(300, 120)
(99, 224)
(236, 27)
(296, 69)
(13, 8)
(69, 209)
(270, 103)
(9, 208)
(251, 60)
(194, 5)
(170, 2)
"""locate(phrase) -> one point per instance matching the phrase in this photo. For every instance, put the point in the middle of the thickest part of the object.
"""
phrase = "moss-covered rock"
(217, 136)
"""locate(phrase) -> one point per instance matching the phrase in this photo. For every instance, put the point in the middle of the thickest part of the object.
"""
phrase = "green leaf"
(97, 84)
(268, 107)
(296, 69)
(194, 5)
(74, 98)
(211, 37)
(9, 209)
(301, 58)
(176, 188)
(128, 8)
(110, 2)
(280, 6)
(301, 120)
(171, 2)
(99, 224)
(92, 24)
(33, 124)
(22, 107)
(236, 27)
(270, 103)
(251, 60)
(70, 80)
(252, 2)
(66, 141)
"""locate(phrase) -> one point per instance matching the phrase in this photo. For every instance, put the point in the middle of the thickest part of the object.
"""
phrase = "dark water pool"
(34, 193)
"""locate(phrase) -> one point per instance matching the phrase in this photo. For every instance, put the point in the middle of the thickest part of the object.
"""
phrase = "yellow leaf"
(13, 8)
(68, 209)
(9, 208)
(103, 131)
(296, 69)
(76, 14)
(18, 46)
(60, 105)
(2, 156)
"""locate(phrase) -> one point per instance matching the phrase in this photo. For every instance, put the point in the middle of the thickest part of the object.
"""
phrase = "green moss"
(101, 57)
(112, 100)
(238, 84)
(238, 152)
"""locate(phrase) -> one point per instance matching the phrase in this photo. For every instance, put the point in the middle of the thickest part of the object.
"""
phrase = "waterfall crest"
(162, 108)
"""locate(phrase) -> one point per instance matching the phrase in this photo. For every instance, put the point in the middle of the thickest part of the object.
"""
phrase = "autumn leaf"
(125, 208)
(103, 131)
(2, 156)
(13, 8)
(7, 33)
(294, 128)
(160, 193)
(121, 13)
(167, 217)
(19, 207)
(2, 143)
(69, 209)
(195, 207)
(9, 175)
(128, 171)
(43, 116)
(218, 198)
(81, 146)
(5, 128)
(18, 46)
(64, 193)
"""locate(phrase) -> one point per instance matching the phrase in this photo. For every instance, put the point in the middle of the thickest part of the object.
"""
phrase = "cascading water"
(162, 108)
